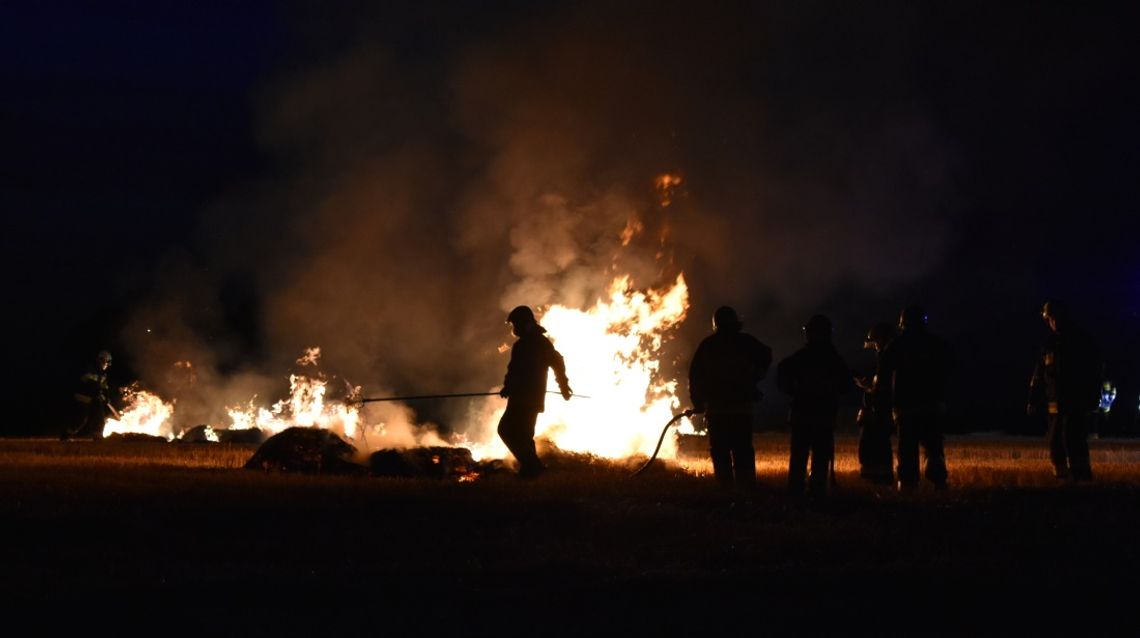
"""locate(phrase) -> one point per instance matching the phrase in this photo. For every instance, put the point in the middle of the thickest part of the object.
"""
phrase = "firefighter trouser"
(920, 429)
(730, 446)
(516, 429)
(88, 420)
(814, 437)
(875, 453)
(1069, 446)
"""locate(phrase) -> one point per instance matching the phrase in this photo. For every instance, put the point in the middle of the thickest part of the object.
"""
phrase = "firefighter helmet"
(879, 333)
(1053, 309)
(913, 316)
(521, 315)
(818, 328)
(725, 318)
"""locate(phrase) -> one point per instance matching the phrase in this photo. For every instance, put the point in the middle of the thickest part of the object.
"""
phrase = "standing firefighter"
(92, 401)
(915, 366)
(1067, 379)
(524, 387)
(722, 385)
(874, 418)
(815, 377)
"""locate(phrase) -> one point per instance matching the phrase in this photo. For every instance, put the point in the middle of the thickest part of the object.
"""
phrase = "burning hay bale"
(207, 434)
(134, 437)
(197, 434)
(312, 450)
(248, 435)
(424, 462)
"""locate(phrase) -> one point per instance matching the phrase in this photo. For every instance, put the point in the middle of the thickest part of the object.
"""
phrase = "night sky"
(233, 181)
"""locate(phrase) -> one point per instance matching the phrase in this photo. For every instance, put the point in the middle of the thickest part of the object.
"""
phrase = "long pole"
(449, 396)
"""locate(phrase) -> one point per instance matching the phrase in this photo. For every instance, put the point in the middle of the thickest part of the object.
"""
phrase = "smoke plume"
(417, 196)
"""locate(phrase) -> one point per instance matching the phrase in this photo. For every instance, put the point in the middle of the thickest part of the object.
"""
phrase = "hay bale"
(134, 437)
(422, 462)
(245, 436)
(196, 434)
(308, 450)
(206, 434)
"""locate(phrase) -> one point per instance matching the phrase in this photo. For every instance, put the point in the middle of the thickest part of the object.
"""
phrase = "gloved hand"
(566, 392)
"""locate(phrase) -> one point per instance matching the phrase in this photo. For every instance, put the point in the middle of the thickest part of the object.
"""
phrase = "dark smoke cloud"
(418, 198)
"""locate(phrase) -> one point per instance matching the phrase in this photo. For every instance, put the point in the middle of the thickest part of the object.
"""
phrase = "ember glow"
(612, 354)
(667, 185)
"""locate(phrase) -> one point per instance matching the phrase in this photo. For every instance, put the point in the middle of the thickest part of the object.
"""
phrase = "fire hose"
(676, 417)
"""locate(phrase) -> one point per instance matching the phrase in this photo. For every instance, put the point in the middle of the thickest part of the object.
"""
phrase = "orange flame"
(611, 353)
(145, 413)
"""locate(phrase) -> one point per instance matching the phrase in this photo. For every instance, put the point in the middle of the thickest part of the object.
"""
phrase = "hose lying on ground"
(676, 417)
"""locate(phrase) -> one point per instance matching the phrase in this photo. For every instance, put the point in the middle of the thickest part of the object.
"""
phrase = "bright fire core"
(612, 357)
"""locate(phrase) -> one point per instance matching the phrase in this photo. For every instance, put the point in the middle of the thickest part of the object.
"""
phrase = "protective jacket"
(1068, 374)
(725, 371)
(815, 377)
(93, 389)
(916, 366)
(531, 356)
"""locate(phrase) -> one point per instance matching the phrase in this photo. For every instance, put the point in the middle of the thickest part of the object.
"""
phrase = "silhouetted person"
(876, 458)
(524, 387)
(814, 377)
(1067, 379)
(723, 378)
(92, 401)
(916, 367)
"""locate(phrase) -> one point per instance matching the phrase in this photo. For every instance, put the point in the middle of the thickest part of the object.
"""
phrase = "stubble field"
(125, 534)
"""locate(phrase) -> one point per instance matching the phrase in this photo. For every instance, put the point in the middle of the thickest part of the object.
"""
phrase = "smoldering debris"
(319, 451)
(306, 450)
(426, 462)
(208, 434)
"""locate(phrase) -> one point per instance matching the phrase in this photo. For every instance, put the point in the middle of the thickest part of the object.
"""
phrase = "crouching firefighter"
(524, 387)
(92, 401)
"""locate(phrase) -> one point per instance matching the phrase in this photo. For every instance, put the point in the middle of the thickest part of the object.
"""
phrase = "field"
(124, 534)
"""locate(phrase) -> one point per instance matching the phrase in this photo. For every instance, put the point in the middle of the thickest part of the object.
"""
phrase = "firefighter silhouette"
(524, 387)
(916, 367)
(1067, 382)
(92, 403)
(723, 378)
(815, 377)
(874, 417)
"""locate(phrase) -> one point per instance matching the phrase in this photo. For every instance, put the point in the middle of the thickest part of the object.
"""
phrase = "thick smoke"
(415, 199)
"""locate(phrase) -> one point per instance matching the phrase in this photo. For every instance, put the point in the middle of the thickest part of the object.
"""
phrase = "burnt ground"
(99, 537)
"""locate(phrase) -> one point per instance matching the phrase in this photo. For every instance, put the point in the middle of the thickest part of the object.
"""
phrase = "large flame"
(305, 407)
(612, 355)
(145, 413)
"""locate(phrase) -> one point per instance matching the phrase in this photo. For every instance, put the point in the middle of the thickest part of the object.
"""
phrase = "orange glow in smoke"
(666, 185)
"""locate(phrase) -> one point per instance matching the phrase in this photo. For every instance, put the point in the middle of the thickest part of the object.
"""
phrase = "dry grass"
(154, 528)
